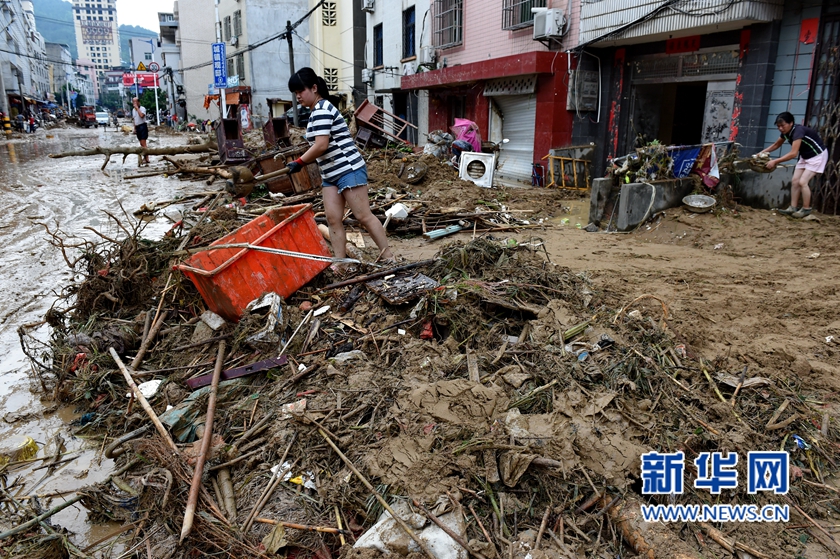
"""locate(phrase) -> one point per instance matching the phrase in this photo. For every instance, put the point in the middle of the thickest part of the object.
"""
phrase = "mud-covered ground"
(742, 288)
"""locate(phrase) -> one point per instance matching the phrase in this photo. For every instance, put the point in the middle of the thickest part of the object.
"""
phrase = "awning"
(526, 64)
(30, 100)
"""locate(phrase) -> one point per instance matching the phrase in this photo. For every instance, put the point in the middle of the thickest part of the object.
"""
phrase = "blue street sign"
(219, 66)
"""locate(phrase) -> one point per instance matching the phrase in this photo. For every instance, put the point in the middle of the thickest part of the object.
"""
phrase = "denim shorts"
(350, 179)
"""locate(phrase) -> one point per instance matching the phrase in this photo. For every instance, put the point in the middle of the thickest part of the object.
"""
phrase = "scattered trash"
(387, 537)
(271, 306)
(322, 310)
(800, 442)
(814, 255)
(287, 411)
(147, 389)
(403, 288)
(212, 320)
(718, 246)
(349, 355)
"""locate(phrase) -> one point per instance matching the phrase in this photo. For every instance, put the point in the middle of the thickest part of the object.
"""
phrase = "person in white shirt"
(141, 129)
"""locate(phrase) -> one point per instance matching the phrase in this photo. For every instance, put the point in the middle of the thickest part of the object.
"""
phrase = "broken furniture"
(379, 120)
(276, 130)
(306, 180)
(231, 145)
(567, 170)
(365, 137)
(478, 168)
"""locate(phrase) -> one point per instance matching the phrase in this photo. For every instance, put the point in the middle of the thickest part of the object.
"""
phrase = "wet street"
(69, 193)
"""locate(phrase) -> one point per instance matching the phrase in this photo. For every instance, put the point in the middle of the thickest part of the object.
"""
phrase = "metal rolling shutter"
(519, 117)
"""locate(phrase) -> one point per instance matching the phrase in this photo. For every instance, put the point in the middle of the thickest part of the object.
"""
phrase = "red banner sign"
(144, 79)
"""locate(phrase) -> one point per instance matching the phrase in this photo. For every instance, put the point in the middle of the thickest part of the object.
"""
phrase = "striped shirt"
(342, 155)
(811, 145)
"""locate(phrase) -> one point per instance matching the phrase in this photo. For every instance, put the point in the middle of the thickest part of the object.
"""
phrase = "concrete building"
(37, 60)
(480, 60)
(169, 57)
(24, 76)
(393, 51)
(336, 41)
(97, 33)
(60, 68)
(718, 72)
(265, 69)
(194, 42)
(86, 80)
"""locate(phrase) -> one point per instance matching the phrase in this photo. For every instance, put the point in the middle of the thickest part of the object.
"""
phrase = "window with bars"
(237, 23)
(517, 14)
(331, 77)
(378, 54)
(231, 67)
(226, 28)
(240, 67)
(448, 23)
(329, 15)
(409, 47)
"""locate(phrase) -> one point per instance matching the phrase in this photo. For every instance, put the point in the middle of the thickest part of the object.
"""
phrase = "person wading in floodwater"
(807, 145)
(343, 170)
(141, 129)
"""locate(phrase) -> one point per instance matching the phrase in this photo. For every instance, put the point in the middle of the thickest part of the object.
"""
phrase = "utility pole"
(289, 30)
(222, 101)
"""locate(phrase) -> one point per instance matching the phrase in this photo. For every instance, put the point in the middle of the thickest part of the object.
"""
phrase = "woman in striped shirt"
(343, 171)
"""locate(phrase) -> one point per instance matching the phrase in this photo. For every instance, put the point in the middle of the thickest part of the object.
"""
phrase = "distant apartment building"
(97, 33)
(265, 69)
(169, 58)
(24, 76)
(194, 42)
(60, 70)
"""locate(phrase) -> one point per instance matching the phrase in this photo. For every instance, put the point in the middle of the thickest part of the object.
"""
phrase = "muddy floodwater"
(70, 193)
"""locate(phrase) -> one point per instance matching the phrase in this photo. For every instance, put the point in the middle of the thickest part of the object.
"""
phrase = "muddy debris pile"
(484, 403)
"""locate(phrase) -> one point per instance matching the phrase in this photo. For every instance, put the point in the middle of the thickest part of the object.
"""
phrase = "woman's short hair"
(785, 117)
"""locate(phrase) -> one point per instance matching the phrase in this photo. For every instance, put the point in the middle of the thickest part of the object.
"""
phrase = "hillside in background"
(54, 19)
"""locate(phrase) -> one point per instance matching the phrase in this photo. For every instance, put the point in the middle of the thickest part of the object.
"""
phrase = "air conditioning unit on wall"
(549, 24)
(427, 55)
(367, 6)
(234, 41)
(367, 75)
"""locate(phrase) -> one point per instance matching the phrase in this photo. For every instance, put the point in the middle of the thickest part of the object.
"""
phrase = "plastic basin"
(230, 278)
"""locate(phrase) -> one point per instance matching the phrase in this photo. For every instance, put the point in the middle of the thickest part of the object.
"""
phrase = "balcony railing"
(598, 18)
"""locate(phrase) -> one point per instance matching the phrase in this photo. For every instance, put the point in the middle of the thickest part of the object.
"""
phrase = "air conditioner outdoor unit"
(367, 6)
(549, 24)
(234, 41)
(427, 55)
(367, 75)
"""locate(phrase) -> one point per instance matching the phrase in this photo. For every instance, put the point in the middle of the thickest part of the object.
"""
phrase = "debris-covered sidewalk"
(484, 403)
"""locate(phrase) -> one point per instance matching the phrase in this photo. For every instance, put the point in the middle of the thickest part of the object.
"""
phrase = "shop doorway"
(671, 113)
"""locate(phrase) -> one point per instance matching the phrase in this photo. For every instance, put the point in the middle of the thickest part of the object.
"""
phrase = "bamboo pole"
(192, 501)
(142, 399)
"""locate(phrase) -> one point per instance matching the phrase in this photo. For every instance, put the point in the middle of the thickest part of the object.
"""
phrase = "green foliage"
(61, 31)
(111, 100)
(147, 99)
(81, 100)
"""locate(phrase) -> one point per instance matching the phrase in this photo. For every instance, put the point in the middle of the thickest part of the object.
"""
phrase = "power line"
(258, 44)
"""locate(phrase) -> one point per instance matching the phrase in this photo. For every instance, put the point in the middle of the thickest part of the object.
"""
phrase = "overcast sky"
(144, 14)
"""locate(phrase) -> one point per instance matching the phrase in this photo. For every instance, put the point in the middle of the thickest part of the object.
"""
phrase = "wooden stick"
(142, 399)
(37, 520)
(484, 530)
(460, 541)
(718, 537)
(272, 483)
(378, 497)
(340, 527)
(740, 385)
(157, 324)
(192, 501)
(322, 529)
(542, 527)
(814, 522)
